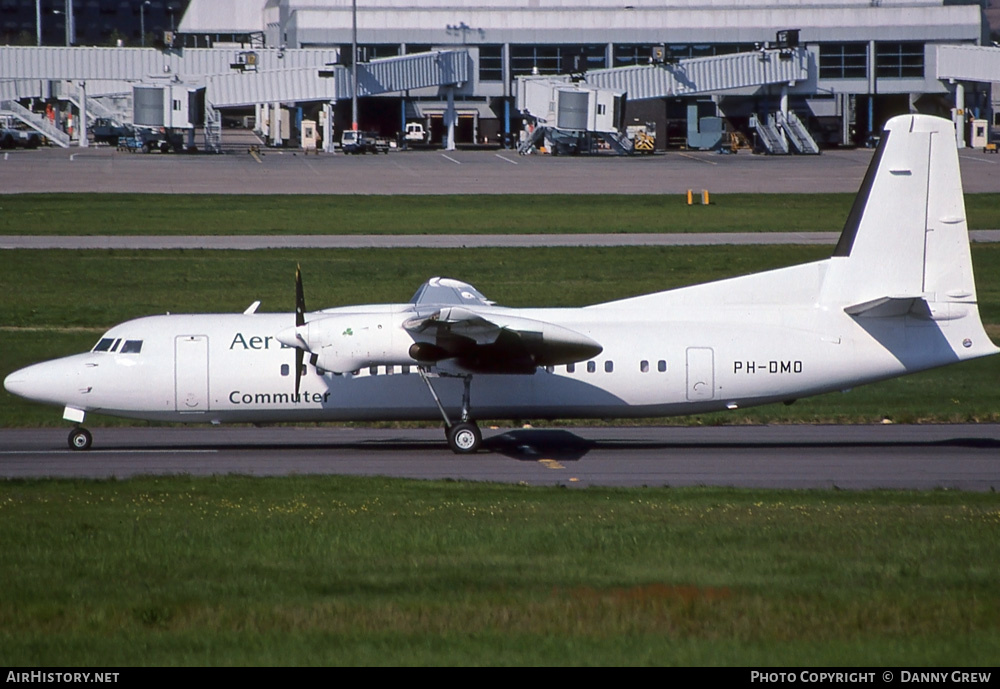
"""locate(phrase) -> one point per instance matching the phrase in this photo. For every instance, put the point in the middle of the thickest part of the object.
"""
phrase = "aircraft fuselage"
(230, 368)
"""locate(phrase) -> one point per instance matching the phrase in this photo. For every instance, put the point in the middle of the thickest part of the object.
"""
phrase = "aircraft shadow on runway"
(563, 445)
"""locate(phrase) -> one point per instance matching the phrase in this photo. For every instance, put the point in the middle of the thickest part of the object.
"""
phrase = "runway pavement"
(284, 171)
(960, 457)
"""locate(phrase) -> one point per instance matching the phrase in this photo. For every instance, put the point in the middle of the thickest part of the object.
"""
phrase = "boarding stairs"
(798, 134)
(618, 141)
(537, 134)
(36, 122)
(213, 129)
(95, 108)
(770, 136)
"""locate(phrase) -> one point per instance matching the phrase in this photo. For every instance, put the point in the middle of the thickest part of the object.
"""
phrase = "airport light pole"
(354, 65)
(142, 22)
(38, 23)
(70, 27)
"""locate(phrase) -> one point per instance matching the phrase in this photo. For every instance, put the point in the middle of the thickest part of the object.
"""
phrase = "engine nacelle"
(349, 342)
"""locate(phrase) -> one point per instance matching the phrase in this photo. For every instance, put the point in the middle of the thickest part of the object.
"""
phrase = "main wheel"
(80, 439)
(464, 438)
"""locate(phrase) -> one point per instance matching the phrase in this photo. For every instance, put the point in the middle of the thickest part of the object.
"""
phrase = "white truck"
(356, 142)
(415, 133)
(12, 137)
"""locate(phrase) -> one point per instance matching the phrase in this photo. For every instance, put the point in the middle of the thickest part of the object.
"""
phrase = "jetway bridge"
(229, 78)
(550, 101)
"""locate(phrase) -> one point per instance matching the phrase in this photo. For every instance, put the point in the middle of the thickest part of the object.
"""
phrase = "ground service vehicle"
(11, 137)
(356, 141)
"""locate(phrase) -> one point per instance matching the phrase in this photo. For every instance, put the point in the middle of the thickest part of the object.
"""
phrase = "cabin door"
(191, 373)
(700, 373)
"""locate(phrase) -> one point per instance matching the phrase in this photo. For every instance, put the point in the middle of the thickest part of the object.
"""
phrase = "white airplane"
(897, 296)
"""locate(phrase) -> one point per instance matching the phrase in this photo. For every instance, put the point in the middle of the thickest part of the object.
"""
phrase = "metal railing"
(770, 136)
(798, 134)
(36, 122)
(213, 129)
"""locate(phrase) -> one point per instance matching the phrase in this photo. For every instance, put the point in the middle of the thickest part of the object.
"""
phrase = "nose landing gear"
(80, 439)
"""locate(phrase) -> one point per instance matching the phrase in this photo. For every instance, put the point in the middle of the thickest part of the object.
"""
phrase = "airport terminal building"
(867, 59)
(527, 73)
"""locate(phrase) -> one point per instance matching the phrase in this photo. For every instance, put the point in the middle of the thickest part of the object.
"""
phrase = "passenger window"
(285, 368)
(661, 366)
(609, 366)
(644, 366)
(406, 369)
(570, 368)
(373, 370)
(591, 367)
(131, 347)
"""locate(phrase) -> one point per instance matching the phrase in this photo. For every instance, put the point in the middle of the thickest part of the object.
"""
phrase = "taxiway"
(958, 457)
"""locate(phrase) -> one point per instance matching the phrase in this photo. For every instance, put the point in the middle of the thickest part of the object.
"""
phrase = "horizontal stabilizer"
(889, 307)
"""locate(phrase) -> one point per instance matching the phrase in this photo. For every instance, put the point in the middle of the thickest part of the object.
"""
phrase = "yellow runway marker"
(551, 464)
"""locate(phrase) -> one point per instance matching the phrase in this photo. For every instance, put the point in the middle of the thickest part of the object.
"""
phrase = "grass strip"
(241, 214)
(351, 571)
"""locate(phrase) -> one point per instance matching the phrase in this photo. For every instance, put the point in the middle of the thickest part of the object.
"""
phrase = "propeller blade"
(300, 300)
(298, 369)
(300, 319)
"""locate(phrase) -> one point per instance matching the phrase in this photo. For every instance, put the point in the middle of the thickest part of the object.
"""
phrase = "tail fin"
(903, 261)
(906, 235)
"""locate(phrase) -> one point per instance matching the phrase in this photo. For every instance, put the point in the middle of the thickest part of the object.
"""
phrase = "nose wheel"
(80, 439)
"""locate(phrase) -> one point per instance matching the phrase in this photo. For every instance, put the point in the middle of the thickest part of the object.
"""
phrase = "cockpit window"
(111, 344)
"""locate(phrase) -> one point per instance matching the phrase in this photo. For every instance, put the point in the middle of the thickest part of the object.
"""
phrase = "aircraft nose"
(19, 382)
(50, 382)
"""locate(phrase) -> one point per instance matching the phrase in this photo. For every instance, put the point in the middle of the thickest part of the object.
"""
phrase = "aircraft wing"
(448, 291)
(487, 342)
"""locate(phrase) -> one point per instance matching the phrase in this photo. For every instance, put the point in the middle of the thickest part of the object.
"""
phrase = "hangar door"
(191, 373)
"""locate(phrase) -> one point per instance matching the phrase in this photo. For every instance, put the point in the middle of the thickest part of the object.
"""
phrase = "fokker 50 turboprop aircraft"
(897, 296)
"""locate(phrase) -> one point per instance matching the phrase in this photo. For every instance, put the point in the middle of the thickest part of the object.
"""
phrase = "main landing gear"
(464, 437)
(80, 439)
